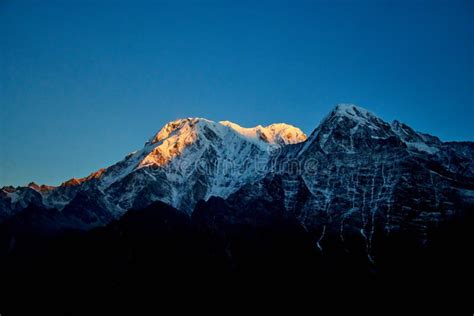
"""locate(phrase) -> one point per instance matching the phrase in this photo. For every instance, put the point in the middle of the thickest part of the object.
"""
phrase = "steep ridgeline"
(357, 177)
(186, 161)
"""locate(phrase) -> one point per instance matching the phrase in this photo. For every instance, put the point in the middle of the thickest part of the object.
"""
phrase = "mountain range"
(355, 175)
(359, 205)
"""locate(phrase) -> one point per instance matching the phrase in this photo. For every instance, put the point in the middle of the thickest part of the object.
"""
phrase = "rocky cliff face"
(358, 177)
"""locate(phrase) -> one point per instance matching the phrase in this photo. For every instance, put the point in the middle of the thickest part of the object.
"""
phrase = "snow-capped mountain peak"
(348, 128)
(277, 134)
(195, 158)
(175, 137)
(352, 110)
(180, 126)
(356, 114)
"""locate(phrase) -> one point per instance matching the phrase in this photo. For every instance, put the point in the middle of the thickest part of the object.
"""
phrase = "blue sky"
(84, 83)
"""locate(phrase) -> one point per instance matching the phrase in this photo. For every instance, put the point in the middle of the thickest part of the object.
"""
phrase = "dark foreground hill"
(162, 255)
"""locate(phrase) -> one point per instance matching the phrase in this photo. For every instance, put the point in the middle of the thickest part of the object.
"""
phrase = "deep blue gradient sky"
(85, 83)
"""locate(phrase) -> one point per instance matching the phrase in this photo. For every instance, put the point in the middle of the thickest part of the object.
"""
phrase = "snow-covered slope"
(186, 161)
(275, 135)
(192, 159)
